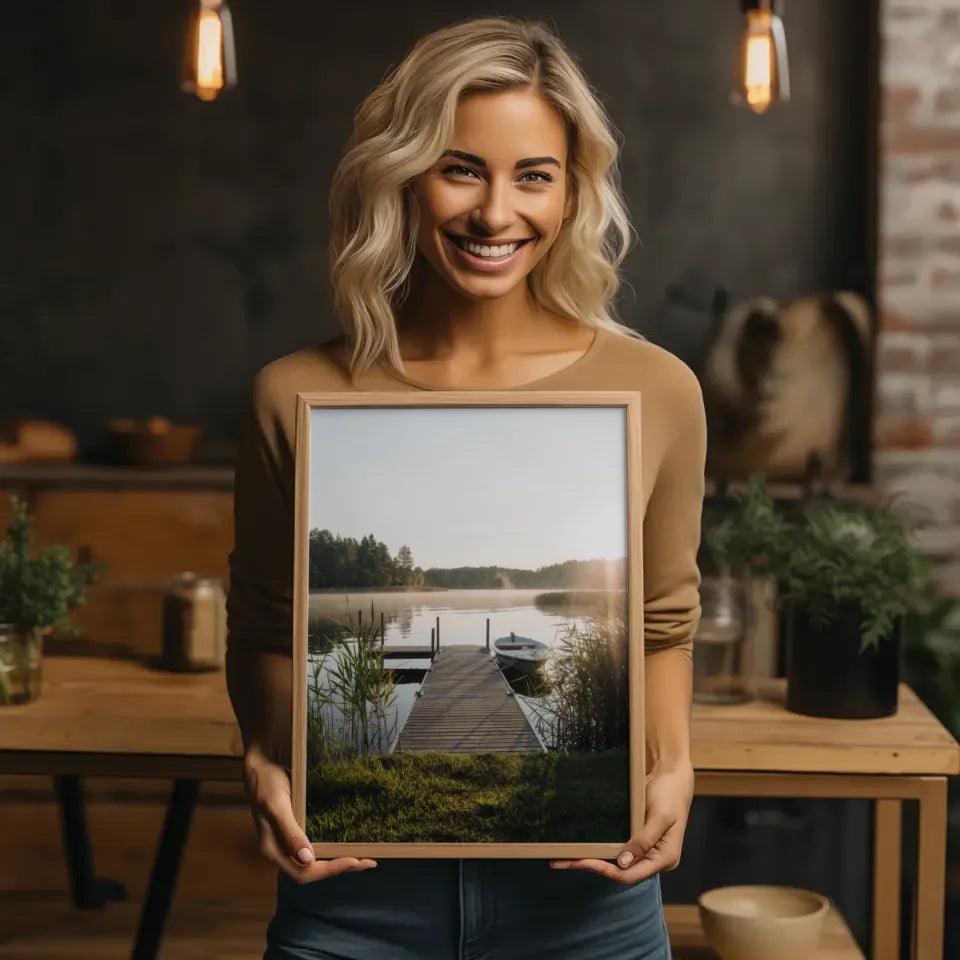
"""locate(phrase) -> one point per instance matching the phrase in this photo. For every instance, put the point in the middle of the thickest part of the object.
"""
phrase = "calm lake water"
(409, 616)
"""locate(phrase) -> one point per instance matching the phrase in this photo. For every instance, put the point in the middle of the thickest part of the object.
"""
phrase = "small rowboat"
(520, 653)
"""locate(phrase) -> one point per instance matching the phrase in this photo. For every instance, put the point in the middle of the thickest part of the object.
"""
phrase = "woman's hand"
(281, 839)
(669, 795)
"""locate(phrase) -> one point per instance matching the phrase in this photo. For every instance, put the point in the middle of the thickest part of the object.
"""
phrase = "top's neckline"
(587, 355)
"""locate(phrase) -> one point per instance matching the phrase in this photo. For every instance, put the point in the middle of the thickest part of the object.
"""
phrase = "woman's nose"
(494, 213)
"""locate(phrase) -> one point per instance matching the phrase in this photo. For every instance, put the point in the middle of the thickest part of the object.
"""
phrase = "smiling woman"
(482, 160)
(477, 230)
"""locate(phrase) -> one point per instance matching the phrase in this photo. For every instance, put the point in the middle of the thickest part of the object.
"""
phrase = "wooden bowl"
(763, 922)
(153, 442)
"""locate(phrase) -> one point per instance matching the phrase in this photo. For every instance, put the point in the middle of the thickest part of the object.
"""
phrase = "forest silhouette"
(336, 562)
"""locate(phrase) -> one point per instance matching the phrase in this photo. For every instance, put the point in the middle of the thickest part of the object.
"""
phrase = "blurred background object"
(153, 442)
(32, 440)
(784, 381)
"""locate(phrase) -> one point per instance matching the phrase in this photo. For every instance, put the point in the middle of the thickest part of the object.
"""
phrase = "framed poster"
(468, 624)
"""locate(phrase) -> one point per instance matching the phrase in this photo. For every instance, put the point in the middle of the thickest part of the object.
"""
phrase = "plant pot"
(21, 655)
(829, 676)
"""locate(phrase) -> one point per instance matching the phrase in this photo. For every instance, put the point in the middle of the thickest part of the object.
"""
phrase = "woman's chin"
(483, 288)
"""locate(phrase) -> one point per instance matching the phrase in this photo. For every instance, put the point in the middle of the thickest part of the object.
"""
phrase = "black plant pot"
(829, 676)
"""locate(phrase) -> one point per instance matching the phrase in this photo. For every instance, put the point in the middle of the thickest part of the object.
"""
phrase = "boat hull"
(526, 657)
(515, 665)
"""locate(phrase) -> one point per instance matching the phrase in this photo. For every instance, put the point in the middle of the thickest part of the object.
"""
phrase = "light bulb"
(210, 58)
(209, 55)
(761, 77)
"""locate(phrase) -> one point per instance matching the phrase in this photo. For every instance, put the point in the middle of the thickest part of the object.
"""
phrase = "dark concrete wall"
(156, 250)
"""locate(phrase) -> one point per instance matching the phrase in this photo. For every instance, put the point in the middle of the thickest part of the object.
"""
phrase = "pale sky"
(475, 486)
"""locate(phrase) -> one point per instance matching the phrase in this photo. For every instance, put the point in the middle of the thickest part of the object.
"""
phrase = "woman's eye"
(542, 174)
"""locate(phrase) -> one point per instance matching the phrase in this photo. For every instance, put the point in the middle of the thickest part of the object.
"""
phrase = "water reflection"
(462, 617)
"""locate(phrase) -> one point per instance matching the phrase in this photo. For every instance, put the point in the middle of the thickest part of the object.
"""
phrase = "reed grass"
(350, 696)
(588, 705)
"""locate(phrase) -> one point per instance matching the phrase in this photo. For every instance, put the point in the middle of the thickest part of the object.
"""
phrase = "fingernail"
(625, 858)
(305, 855)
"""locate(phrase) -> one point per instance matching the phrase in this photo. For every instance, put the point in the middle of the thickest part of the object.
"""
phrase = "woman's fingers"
(656, 827)
(282, 841)
(278, 810)
(306, 873)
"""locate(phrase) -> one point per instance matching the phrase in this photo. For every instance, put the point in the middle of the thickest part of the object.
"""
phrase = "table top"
(125, 708)
(71, 474)
(762, 735)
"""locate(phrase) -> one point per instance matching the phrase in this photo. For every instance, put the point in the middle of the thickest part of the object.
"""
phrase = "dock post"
(488, 634)
(438, 633)
(431, 641)
(382, 640)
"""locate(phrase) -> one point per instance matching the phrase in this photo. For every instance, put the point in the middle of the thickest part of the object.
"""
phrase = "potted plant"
(846, 575)
(37, 591)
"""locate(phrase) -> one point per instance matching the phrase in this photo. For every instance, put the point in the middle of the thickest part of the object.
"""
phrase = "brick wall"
(917, 425)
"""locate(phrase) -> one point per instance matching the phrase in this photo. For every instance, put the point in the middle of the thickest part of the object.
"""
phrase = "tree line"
(336, 562)
(571, 574)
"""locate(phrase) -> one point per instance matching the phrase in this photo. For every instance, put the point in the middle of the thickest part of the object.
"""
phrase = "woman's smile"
(486, 256)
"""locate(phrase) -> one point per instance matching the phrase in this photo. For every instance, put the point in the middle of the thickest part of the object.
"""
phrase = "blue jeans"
(467, 910)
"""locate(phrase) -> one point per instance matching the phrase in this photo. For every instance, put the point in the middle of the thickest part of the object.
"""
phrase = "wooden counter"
(64, 474)
(94, 705)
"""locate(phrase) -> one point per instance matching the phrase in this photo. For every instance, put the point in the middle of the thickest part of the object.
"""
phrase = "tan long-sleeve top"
(673, 450)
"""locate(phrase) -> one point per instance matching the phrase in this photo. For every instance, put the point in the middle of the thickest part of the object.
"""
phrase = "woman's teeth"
(482, 250)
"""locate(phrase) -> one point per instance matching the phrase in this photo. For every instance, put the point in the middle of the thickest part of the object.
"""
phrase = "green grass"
(470, 798)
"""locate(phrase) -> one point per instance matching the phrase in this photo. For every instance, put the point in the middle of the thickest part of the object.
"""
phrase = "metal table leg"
(163, 877)
(87, 891)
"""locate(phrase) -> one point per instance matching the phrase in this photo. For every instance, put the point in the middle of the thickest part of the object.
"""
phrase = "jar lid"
(189, 578)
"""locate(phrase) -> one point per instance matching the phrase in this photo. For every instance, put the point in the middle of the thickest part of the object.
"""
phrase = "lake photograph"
(467, 640)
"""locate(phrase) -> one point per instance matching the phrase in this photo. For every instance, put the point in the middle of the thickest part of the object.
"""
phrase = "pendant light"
(761, 76)
(210, 59)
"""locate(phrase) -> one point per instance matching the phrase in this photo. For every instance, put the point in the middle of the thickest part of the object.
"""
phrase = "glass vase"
(20, 659)
(722, 669)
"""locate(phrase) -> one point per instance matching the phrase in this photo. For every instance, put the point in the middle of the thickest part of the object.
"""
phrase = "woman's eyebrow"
(520, 164)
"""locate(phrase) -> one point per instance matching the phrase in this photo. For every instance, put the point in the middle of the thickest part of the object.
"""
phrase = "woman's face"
(493, 204)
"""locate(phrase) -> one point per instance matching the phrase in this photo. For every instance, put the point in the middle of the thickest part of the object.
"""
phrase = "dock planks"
(406, 653)
(465, 708)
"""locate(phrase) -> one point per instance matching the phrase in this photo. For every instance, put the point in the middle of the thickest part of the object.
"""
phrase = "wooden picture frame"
(467, 430)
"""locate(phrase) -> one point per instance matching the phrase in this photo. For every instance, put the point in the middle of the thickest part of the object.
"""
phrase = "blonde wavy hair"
(400, 131)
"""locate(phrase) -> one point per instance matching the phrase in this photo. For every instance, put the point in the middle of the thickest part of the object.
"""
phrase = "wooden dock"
(407, 653)
(466, 707)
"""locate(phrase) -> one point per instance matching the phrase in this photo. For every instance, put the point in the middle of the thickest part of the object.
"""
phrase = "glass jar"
(722, 668)
(20, 657)
(194, 623)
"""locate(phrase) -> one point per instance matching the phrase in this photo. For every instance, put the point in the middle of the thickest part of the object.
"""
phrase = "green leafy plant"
(828, 557)
(38, 589)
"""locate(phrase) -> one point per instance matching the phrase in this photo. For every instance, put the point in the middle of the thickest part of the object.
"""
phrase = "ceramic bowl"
(153, 442)
(763, 922)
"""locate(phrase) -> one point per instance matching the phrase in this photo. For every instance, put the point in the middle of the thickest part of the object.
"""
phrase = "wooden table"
(99, 717)
(759, 749)
(119, 718)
